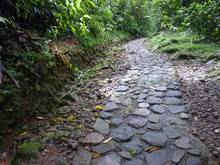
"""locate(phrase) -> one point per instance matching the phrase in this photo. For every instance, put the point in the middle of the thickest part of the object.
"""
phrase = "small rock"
(215, 114)
(177, 156)
(184, 116)
(125, 155)
(217, 131)
(93, 138)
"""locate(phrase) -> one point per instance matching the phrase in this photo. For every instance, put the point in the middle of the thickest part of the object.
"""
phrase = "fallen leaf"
(40, 118)
(23, 133)
(107, 140)
(71, 118)
(99, 107)
(95, 155)
(152, 149)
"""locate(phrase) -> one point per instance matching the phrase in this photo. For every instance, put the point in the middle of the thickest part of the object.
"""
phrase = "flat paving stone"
(157, 158)
(183, 142)
(194, 151)
(141, 112)
(104, 147)
(173, 93)
(142, 96)
(112, 159)
(156, 94)
(154, 118)
(116, 121)
(143, 105)
(122, 88)
(111, 106)
(154, 127)
(171, 132)
(82, 157)
(137, 122)
(193, 161)
(134, 162)
(177, 156)
(154, 100)
(101, 126)
(93, 138)
(176, 109)
(135, 144)
(158, 109)
(155, 139)
(125, 155)
(160, 88)
(105, 115)
(122, 133)
(173, 101)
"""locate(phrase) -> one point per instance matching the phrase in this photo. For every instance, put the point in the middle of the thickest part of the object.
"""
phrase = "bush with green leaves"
(204, 18)
(200, 16)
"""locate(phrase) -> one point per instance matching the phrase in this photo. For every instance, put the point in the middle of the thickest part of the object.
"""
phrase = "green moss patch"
(28, 151)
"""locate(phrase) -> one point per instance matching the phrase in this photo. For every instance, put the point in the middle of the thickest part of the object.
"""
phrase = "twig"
(3, 70)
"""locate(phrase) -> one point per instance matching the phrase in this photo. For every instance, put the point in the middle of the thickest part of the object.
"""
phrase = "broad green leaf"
(3, 20)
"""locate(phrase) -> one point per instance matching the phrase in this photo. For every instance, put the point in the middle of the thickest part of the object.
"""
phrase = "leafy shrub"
(200, 16)
(204, 18)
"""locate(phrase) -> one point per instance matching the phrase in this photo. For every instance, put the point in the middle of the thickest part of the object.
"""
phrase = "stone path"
(144, 123)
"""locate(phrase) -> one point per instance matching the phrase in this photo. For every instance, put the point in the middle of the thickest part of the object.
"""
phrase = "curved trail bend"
(148, 117)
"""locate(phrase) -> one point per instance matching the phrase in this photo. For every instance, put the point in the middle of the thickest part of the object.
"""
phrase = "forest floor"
(145, 108)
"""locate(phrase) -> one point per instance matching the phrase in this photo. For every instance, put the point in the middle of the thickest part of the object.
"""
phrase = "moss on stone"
(28, 151)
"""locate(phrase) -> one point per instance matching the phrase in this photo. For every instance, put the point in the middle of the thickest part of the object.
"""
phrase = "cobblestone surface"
(146, 126)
